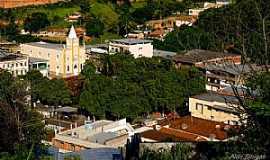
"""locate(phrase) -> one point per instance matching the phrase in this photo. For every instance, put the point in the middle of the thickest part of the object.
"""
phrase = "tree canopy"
(51, 92)
(187, 38)
(128, 87)
(36, 21)
(21, 126)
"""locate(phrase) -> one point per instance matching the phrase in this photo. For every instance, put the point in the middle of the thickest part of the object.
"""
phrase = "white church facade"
(65, 60)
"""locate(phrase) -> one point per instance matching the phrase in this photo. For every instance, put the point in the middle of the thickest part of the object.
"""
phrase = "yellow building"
(215, 107)
(65, 60)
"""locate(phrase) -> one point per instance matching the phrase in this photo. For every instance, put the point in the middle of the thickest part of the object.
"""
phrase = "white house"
(136, 47)
(16, 64)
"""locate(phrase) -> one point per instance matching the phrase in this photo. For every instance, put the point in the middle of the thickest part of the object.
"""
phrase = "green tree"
(129, 87)
(36, 21)
(187, 38)
(94, 27)
(21, 127)
(52, 92)
(84, 5)
(242, 27)
(125, 20)
(178, 152)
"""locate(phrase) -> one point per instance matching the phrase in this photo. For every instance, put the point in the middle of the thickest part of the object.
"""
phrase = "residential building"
(221, 76)
(195, 11)
(94, 134)
(158, 34)
(87, 154)
(21, 3)
(75, 17)
(202, 58)
(136, 35)
(216, 107)
(187, 128)
(135, 47)
(171, 22)
(16, 64)
(223, 2)
(65, 60)
(207, 5)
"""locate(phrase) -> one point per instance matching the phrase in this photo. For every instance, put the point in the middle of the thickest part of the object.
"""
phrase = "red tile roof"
(197, 126)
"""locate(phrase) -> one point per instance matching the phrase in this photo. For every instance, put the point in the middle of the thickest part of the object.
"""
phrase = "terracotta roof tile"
(198, 126)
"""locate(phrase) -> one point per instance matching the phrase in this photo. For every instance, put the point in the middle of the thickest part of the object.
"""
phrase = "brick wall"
(20, 3)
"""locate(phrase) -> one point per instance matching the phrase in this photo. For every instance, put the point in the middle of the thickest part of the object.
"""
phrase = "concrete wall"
(138, 50)
(118, 141)
(205, 111)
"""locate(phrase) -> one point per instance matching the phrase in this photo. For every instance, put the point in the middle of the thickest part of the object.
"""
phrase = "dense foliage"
(94, 27)
(36, 21)
(51, 92)
(243, 26)
(187, 38)
(178, 152)
(128, 87)
(258, 110)
(21, 129)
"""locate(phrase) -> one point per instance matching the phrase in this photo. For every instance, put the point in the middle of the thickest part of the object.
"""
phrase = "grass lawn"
(51, 12)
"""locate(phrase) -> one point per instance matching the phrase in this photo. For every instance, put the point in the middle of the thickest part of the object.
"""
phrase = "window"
(21, 64)
(75, 66)
(24, 63)
(68, 68)
(212, 117)
(199, 107)
(81, 66)
(16, 64)
(208, 107)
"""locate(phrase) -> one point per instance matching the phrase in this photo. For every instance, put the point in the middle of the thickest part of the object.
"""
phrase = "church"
(65, 60)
